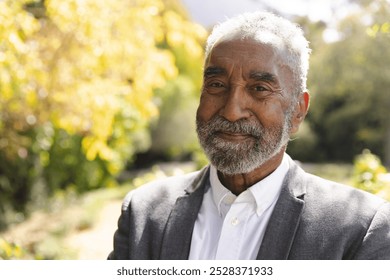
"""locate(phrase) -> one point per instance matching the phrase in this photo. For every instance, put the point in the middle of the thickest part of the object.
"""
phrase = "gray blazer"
(313, 219)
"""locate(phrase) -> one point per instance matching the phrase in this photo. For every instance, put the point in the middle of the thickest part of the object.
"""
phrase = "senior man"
(253, 201)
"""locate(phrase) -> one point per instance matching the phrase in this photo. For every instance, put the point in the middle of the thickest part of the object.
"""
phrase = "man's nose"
(236, 105)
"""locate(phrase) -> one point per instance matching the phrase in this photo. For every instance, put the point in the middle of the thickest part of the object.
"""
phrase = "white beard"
(240, 158)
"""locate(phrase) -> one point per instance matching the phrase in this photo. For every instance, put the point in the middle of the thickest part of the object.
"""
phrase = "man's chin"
(239, 160)
(233, 169)
(233, 162)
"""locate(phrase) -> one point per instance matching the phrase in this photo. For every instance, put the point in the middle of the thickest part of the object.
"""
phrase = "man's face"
(243, 119)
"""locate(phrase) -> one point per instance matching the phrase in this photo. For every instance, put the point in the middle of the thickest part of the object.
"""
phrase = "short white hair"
(284, 36)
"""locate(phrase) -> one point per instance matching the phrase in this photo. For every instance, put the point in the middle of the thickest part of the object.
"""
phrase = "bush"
(369, 174)
(304, 144)
(77, 82)
(174, 134)
(10, 251)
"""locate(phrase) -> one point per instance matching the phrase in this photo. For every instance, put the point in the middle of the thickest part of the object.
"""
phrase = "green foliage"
(10, 251)
(77, 86)
(303, 143)
(174, 133)
(349, 81)
(369, 174)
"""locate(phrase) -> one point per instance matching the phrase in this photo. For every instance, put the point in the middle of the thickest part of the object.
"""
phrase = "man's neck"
(240, 182)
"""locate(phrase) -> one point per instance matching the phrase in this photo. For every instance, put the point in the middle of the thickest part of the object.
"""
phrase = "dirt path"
(96, 243)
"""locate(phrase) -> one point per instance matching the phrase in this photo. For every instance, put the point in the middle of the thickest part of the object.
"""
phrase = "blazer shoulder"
(336, 193)
(329, 201)
(334, 205)
(303, 184)
(338, 221)
(168, 188)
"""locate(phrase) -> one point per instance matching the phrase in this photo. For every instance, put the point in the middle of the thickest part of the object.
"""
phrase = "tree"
(77, 83)
(349, 82)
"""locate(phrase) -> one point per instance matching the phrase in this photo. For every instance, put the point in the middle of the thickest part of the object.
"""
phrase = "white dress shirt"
(233, 227)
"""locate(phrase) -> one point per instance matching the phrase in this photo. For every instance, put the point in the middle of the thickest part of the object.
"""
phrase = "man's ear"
(300, 111)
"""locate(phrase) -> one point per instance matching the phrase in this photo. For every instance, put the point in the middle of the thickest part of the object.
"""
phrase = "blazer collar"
(280, 231)
(284, 221)
(178, 231)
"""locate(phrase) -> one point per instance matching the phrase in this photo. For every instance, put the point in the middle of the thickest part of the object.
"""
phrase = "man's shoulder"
(167, 188)
(340, 221)
(335, 192)
(329, 201)
(326, 192)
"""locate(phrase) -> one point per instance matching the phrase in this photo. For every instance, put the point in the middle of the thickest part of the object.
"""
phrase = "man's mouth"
(233, 137)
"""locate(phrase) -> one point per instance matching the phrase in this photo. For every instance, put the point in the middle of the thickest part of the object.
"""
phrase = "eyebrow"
(263, 76)
(212, 71)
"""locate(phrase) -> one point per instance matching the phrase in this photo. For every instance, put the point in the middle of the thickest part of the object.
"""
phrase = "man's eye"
(259, 88)
(216, 85)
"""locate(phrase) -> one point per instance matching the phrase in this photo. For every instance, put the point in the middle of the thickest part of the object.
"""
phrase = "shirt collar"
(261, 195)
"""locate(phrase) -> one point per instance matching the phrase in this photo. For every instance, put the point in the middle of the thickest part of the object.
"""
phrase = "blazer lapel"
(178, 232)
(284, 221)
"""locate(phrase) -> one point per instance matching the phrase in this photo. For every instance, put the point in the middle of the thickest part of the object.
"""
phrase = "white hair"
(284, 36)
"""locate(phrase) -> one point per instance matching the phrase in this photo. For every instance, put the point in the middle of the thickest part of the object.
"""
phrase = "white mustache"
(219, 124)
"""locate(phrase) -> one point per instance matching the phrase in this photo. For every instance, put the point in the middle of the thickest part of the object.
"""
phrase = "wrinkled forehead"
(262, 53)
(266, 39)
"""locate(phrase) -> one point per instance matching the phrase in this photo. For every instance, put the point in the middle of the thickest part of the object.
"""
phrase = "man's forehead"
(254, 55)
(263, 38)
(245, 50)
(252, 58)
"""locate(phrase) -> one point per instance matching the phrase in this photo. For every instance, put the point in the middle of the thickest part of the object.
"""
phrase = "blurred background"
(98, 97)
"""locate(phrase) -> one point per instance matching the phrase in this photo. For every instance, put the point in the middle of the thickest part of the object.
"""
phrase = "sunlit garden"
(99, 97)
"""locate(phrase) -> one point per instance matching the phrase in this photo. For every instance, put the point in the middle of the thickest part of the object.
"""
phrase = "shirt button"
(234, 221)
